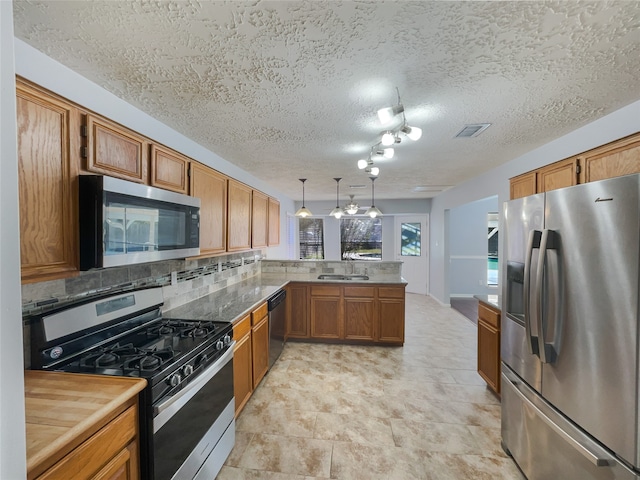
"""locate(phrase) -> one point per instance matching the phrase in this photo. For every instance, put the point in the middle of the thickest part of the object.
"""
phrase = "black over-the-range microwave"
(123, 223)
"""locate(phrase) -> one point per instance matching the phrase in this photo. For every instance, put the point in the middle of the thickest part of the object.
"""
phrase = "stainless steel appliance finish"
(570, 336)
(187, 409)
(277, 306)
(123, 222)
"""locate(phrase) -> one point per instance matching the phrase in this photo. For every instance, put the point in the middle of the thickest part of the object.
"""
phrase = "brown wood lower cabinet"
(260, 343)
(297, 311)
(354, 313)
(81, 427)
(489, 345)
(326, 312)
(242, 363)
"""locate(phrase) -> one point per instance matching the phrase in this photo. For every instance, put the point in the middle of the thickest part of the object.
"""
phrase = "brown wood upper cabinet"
(113, 150)
(614, 159)
(169, 169)
(259, 219)
(211, 188)
(239, 216)
(274, 222)
(48, 159)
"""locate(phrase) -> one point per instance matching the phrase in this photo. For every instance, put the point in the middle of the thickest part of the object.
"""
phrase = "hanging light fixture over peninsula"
(372, 211)
(303, 211)
(337, 212)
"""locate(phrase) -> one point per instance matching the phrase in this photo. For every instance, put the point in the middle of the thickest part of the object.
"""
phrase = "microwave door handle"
(533, 242)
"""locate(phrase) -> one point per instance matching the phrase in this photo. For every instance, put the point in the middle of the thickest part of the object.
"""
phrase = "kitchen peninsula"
(330, 309)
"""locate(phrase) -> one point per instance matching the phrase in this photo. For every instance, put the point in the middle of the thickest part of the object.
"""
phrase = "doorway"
(412, 243)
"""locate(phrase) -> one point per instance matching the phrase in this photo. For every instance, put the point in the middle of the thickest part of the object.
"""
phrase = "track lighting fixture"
(372, 211)
(352, 207)
(414, 133)
(362, 164)
(373, 171)
(337, 212)
(387, 114)
(388, 138)
(303, 211)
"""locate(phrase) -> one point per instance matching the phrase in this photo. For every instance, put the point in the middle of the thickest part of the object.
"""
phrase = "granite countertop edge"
(491, 300)
(234, 302)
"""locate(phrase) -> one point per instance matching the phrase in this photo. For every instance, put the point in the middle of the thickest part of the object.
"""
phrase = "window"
(492, 258)
(361, 238)
(410, 239)
(311, 238)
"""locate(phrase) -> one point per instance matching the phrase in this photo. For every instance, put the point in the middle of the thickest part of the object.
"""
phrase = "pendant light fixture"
(337, 212)
(352, 207)
(303, 211)
(372, 211)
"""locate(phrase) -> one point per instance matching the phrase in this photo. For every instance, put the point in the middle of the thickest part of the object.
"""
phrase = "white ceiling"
(290, 89)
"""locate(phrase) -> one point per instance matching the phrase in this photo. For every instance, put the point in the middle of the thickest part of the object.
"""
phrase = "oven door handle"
(163, 412)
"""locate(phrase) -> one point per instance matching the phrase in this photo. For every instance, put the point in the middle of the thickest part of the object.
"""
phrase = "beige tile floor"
(391, 413)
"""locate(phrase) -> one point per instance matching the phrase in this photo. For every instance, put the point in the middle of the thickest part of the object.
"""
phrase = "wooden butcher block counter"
(81, 426)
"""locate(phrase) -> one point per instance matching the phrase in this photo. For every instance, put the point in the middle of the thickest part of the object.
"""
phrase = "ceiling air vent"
(472, 130)
(357, 186)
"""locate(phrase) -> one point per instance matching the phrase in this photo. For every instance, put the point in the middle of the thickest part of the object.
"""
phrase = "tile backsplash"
(375, 269)
(181, 280)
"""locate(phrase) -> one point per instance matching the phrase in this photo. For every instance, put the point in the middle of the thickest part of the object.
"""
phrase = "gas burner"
(107, 356)
(165, 328)
(199, 330)
(148, 360)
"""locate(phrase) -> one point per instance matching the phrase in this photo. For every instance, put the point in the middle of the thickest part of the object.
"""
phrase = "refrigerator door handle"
(597, 459)
(533, 242)
(546, 351)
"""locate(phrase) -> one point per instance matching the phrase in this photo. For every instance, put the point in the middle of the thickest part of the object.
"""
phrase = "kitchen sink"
(342, 277)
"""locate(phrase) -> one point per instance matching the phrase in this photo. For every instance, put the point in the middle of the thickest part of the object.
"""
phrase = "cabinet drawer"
(488, 315)
(325, 290)
(86, 460)
(259, 313)
(368, 292)
(241, 328)
(391, 292)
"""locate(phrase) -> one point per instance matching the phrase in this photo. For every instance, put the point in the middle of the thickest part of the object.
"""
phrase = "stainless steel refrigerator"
(570, 337)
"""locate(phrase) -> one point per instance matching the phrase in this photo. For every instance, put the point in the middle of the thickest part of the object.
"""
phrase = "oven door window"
(132, 224)
(179, 436)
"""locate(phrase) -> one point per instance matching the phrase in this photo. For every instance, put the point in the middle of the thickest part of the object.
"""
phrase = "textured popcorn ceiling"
(290, 89)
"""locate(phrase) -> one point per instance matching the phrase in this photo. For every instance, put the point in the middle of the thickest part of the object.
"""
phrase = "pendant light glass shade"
(303, 211)
(372, 211)
(337, 212)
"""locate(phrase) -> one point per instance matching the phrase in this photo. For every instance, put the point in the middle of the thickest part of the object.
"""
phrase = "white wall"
(12, 435)
(618, 124)
(42, 70)
(468, 245)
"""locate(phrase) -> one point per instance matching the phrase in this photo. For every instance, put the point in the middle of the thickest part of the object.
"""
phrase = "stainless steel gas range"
(187, 426)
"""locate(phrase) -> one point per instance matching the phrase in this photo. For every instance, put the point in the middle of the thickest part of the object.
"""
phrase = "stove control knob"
(174, 380)
(227, 339)
(187, 370)
(219, 345)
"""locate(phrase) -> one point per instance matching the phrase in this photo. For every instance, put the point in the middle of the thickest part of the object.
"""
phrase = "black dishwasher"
(277, 314)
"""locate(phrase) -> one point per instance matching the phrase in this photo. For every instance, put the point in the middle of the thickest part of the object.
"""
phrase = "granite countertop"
(494, 301)
(230, 303)
(235, 301)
